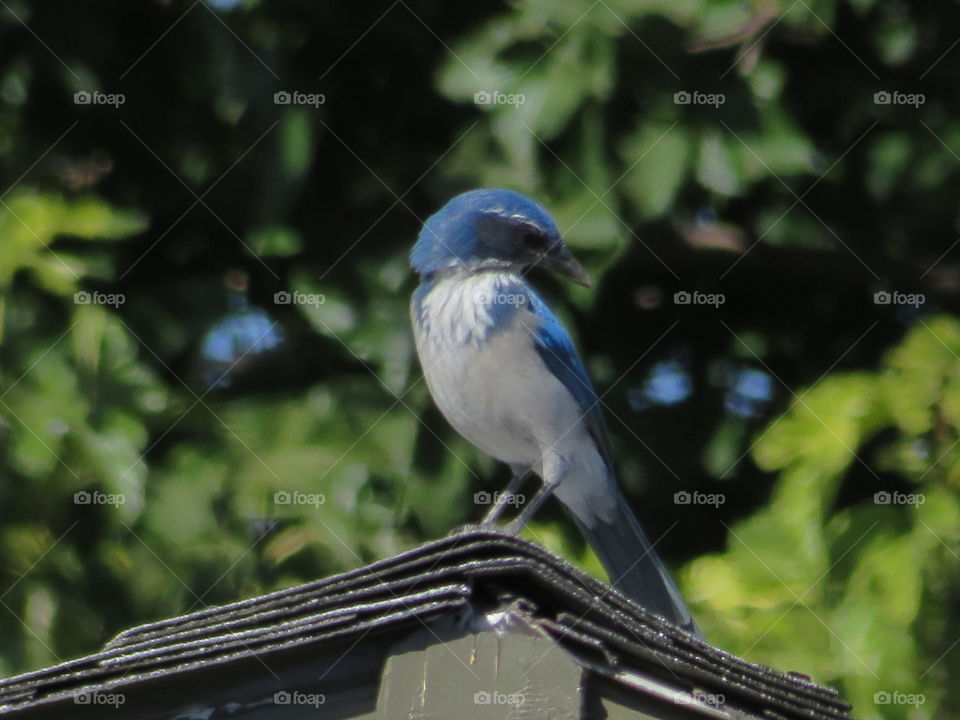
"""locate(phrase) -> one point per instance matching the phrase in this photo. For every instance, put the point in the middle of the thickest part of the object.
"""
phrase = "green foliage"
(31, 221)
(869, 580)
(566, 99)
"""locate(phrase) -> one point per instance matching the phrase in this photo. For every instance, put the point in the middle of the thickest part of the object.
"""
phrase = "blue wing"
(556, 349)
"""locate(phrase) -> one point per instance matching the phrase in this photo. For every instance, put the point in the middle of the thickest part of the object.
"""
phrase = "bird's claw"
(470, 528)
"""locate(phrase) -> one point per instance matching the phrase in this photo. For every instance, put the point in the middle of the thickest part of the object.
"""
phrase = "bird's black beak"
(562, 262)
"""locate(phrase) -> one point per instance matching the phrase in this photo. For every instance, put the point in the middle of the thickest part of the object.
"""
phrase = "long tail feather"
(633, 565)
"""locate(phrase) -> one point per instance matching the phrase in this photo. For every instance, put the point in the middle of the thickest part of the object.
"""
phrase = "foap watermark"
(895, 297)
(685, 497)
(698, 697)
(498, 498)
(298, 298)
(93, 697)
(286, 697)
(83, 297)
(495, 97)
(482, 697)
(685, 297)
(884, 697)
(95, 97)
(502, 298)
(884, 497)
(85, 497)
(695, 97)
(284, 497)
(895, 97)
(295, 97)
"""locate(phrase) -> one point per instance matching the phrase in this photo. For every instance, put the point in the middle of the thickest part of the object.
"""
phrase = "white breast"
(484, 372)
(453, 311)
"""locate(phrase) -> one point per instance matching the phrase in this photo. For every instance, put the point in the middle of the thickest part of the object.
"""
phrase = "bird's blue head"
(492, 229)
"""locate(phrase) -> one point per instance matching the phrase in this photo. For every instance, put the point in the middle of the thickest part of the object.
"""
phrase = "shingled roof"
(334, 636)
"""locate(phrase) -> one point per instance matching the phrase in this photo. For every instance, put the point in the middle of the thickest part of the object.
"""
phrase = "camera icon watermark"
(895, 97)
(295, 97)
(502, 298)
(884, 697)
(482, 697)
(295, 497)
(695, 97)
(93, 697)
(95, 97)
(498, 498)
(700, 697)
(285, 697)
(685, 297)
(685, 497)
(283, 297)
(884, 497)
(495, 97)
(895, 297)
(85, 497)
(84, 297)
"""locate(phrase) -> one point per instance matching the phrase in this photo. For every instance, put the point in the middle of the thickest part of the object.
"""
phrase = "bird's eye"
(534, 240)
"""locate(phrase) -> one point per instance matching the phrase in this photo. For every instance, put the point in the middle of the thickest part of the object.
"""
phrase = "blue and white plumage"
(505, 373)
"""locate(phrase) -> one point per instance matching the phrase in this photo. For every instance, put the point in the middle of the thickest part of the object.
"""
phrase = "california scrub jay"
(504, 372)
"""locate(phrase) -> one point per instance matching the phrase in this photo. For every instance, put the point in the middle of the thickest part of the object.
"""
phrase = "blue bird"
(505, 374)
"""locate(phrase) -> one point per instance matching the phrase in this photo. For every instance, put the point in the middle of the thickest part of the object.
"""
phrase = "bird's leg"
(554, 468)
(518, 475)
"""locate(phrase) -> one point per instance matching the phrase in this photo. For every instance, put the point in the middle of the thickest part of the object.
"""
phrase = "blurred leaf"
(717, 164)
(275, 241)
(296, 141)
(658, 158)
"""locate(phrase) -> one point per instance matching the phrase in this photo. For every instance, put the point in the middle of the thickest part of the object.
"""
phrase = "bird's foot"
(470, 528)
(512, 528)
